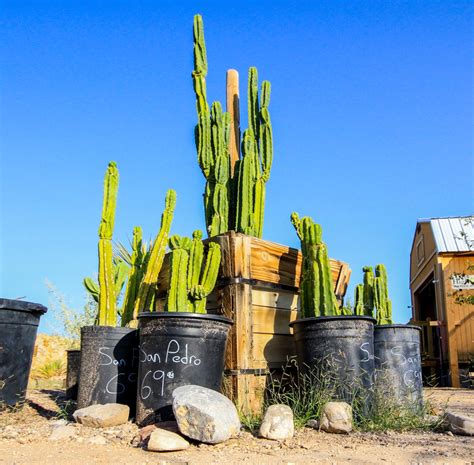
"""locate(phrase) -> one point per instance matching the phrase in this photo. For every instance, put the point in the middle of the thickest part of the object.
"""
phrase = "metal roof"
(455, 234)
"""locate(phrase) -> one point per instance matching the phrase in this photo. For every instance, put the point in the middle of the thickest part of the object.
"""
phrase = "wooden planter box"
(258, 289)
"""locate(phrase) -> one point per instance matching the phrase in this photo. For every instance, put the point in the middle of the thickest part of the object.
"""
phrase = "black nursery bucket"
(72, 373)
(398, 364)
(108, 366)
(341, 347)
(18, 326)
(177, 349)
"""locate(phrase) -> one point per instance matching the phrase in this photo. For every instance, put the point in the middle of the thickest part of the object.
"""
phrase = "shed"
(442, 296)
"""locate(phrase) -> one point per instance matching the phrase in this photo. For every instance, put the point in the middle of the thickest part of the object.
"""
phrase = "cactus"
(257, 157)
(146, 291)
(359, 300)
(368, 295)
(317, 289)
(190, 284)
(107, 305)
(231, 203)
(383, 305)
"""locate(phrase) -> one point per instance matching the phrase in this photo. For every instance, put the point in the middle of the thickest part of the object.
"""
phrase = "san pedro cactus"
(257, 158)
(368, 295)
(316, 288)
(146, 292)
(107, 308)
(232, 203)
(383, 304)
(359, 300)
(190, 284)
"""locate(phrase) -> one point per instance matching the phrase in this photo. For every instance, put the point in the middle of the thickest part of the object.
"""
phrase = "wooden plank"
(272, 320)
(275, 299)
(247, 391)
(233, 108)
(272, 349)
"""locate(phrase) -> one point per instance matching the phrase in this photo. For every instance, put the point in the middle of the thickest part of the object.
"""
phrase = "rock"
(102, 415)
(460, 424)
(99, 440)
(205, 415)
(145, 432)
(62, 432)
(336, 418)
(162, 440)
(313, 424)
(278, 423)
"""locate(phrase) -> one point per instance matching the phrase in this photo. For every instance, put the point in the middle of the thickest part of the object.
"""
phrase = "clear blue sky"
(371, 109)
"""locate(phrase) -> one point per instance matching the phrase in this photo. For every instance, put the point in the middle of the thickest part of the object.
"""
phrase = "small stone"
(56, 423)
(336, 418)
(102, 415)
(144, 433)
(205, 415)
(162, 440)
(62, 432)
(313, 424)
(98, 440)
(278, 423)
(460, 424)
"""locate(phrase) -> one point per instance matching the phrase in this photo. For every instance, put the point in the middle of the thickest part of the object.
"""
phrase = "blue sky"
(371, 110)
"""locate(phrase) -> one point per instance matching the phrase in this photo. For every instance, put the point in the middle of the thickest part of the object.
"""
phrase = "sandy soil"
(24, 439)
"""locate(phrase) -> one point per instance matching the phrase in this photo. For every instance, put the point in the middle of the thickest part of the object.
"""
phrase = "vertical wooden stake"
(233, 108)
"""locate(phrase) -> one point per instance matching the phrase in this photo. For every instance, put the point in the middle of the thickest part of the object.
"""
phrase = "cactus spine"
(317, 294)
(190, 284)
(232, 203)
(146, 291)
(383, 305)
(107, 309)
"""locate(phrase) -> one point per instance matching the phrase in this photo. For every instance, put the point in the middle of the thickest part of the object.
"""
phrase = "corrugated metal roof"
(453, 234)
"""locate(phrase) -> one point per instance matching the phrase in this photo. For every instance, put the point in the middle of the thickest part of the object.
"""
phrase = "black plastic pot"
(177, 349)
(18, 326)
(108, 366)
(72, 373)
(398, 364)
(339, 351)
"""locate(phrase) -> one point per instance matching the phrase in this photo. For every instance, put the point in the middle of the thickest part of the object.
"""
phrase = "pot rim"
(116, 329)
(199, 316)
(22, 306)
(317, 319)
(397, 325)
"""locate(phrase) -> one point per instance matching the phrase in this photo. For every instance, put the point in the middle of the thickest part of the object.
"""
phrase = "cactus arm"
(252, 101)
(383, 305)
(107, 311)
(368, 290)
(359, 300)
(92, 288)
(196, 256)
(177, 294)
(146, 291)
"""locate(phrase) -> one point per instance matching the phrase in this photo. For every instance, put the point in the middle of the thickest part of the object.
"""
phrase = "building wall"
(459, 316)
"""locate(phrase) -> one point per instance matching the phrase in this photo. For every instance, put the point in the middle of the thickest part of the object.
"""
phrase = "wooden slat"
(275, 299)
(271, 349)
(272, 321)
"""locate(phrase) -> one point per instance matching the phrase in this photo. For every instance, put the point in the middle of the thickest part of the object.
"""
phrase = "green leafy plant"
(190, 284)
(316, 289)
(231, 202)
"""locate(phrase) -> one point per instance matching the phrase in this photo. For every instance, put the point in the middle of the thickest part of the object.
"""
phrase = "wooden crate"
(258, 289)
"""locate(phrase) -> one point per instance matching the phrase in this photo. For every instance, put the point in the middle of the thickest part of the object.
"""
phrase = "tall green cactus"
(368, 295)
(383, 304)
(232, 203)
(107, 309)
(146, 292)
(190, 284)
(316, 288)
(257, 158)
(359, 300)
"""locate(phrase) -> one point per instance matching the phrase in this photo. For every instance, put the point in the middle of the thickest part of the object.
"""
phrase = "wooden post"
(233, 108)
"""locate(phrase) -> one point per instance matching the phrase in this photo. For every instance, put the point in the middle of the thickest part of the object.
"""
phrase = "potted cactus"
(324, 336)
(396, 346)
(182, 345)
(109, 353)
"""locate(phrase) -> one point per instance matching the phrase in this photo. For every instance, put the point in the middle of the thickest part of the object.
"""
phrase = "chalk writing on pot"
(106, 359)
(367, 355)
(158, 375)
(174, 353)
(119, 387)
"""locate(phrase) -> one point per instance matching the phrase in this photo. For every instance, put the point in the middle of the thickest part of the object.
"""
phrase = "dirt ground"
(25, 439)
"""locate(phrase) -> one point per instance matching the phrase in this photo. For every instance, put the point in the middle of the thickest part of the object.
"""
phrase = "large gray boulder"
(336, 418)
(460, 424)
(205, 415)
(278, 423)
(102, 415)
